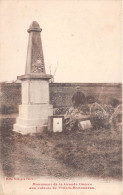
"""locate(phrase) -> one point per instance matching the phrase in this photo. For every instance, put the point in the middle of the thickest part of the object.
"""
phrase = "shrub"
(90, 99)
(99, 117)
(116, 117)
(60, 111)
(71, 119)
(84, 109)
(70, 124)
(114, 102)
(109, 109)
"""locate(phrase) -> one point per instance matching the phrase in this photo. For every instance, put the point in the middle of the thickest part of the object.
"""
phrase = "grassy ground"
(95, 153)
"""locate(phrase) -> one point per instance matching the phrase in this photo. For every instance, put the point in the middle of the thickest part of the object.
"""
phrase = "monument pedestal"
(35, 108)
(33, 118)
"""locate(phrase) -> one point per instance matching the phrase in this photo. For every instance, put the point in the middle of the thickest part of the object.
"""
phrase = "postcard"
(61, 97)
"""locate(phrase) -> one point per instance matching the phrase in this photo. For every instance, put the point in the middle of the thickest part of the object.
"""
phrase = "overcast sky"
(82, 38)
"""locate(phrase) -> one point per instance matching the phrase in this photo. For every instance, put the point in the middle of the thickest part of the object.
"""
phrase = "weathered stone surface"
(38, 111)
(35, 58)
(83, 125)
(24, 130)
(35, 92)
(35, 108)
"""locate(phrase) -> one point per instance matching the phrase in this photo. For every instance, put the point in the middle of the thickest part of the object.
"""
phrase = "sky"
(81, 38)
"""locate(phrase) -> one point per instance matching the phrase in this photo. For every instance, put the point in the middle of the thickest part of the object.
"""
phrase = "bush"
(116, 117)
(90, 99)
(70, 124)
(114, 102)
(99, 117)
(84, 109)
(109, 109)
(72, 117)
(60, 111)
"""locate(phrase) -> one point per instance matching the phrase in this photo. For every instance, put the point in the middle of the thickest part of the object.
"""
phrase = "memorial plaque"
(56, 123)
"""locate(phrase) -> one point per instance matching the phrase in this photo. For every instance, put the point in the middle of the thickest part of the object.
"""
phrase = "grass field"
(93, 153)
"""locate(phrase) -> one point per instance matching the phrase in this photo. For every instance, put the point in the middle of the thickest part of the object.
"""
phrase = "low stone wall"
(60, 94)
(10, 97)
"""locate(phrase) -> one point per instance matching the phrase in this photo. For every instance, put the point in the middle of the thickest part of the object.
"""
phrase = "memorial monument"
(35, 108)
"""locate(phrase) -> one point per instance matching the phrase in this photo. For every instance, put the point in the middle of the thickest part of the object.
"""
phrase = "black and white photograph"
(61, 97)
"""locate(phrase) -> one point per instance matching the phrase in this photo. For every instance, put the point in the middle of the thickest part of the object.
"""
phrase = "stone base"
(35, 111)
(24, 130)
(33, 118)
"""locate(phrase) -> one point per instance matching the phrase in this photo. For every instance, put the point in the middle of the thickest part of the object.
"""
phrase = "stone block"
(31, 122)
(33, 118)
(56, 123)
(35, 111)
(24, 130)
(83, 125)
(35, 91)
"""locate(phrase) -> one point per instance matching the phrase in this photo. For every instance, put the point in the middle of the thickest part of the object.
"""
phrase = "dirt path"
(20, 158)
(25, 161)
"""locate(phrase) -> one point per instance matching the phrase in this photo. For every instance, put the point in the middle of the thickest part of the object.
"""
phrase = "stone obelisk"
(35, 108)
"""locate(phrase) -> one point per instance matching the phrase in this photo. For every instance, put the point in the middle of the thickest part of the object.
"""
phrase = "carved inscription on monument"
(37, 61)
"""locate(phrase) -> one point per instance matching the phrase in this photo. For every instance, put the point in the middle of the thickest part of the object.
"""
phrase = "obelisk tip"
(34, 27)
(34, 24)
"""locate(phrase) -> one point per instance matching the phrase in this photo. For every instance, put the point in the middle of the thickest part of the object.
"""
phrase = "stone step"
(32, 122)
(35, 111)
(24, 130)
